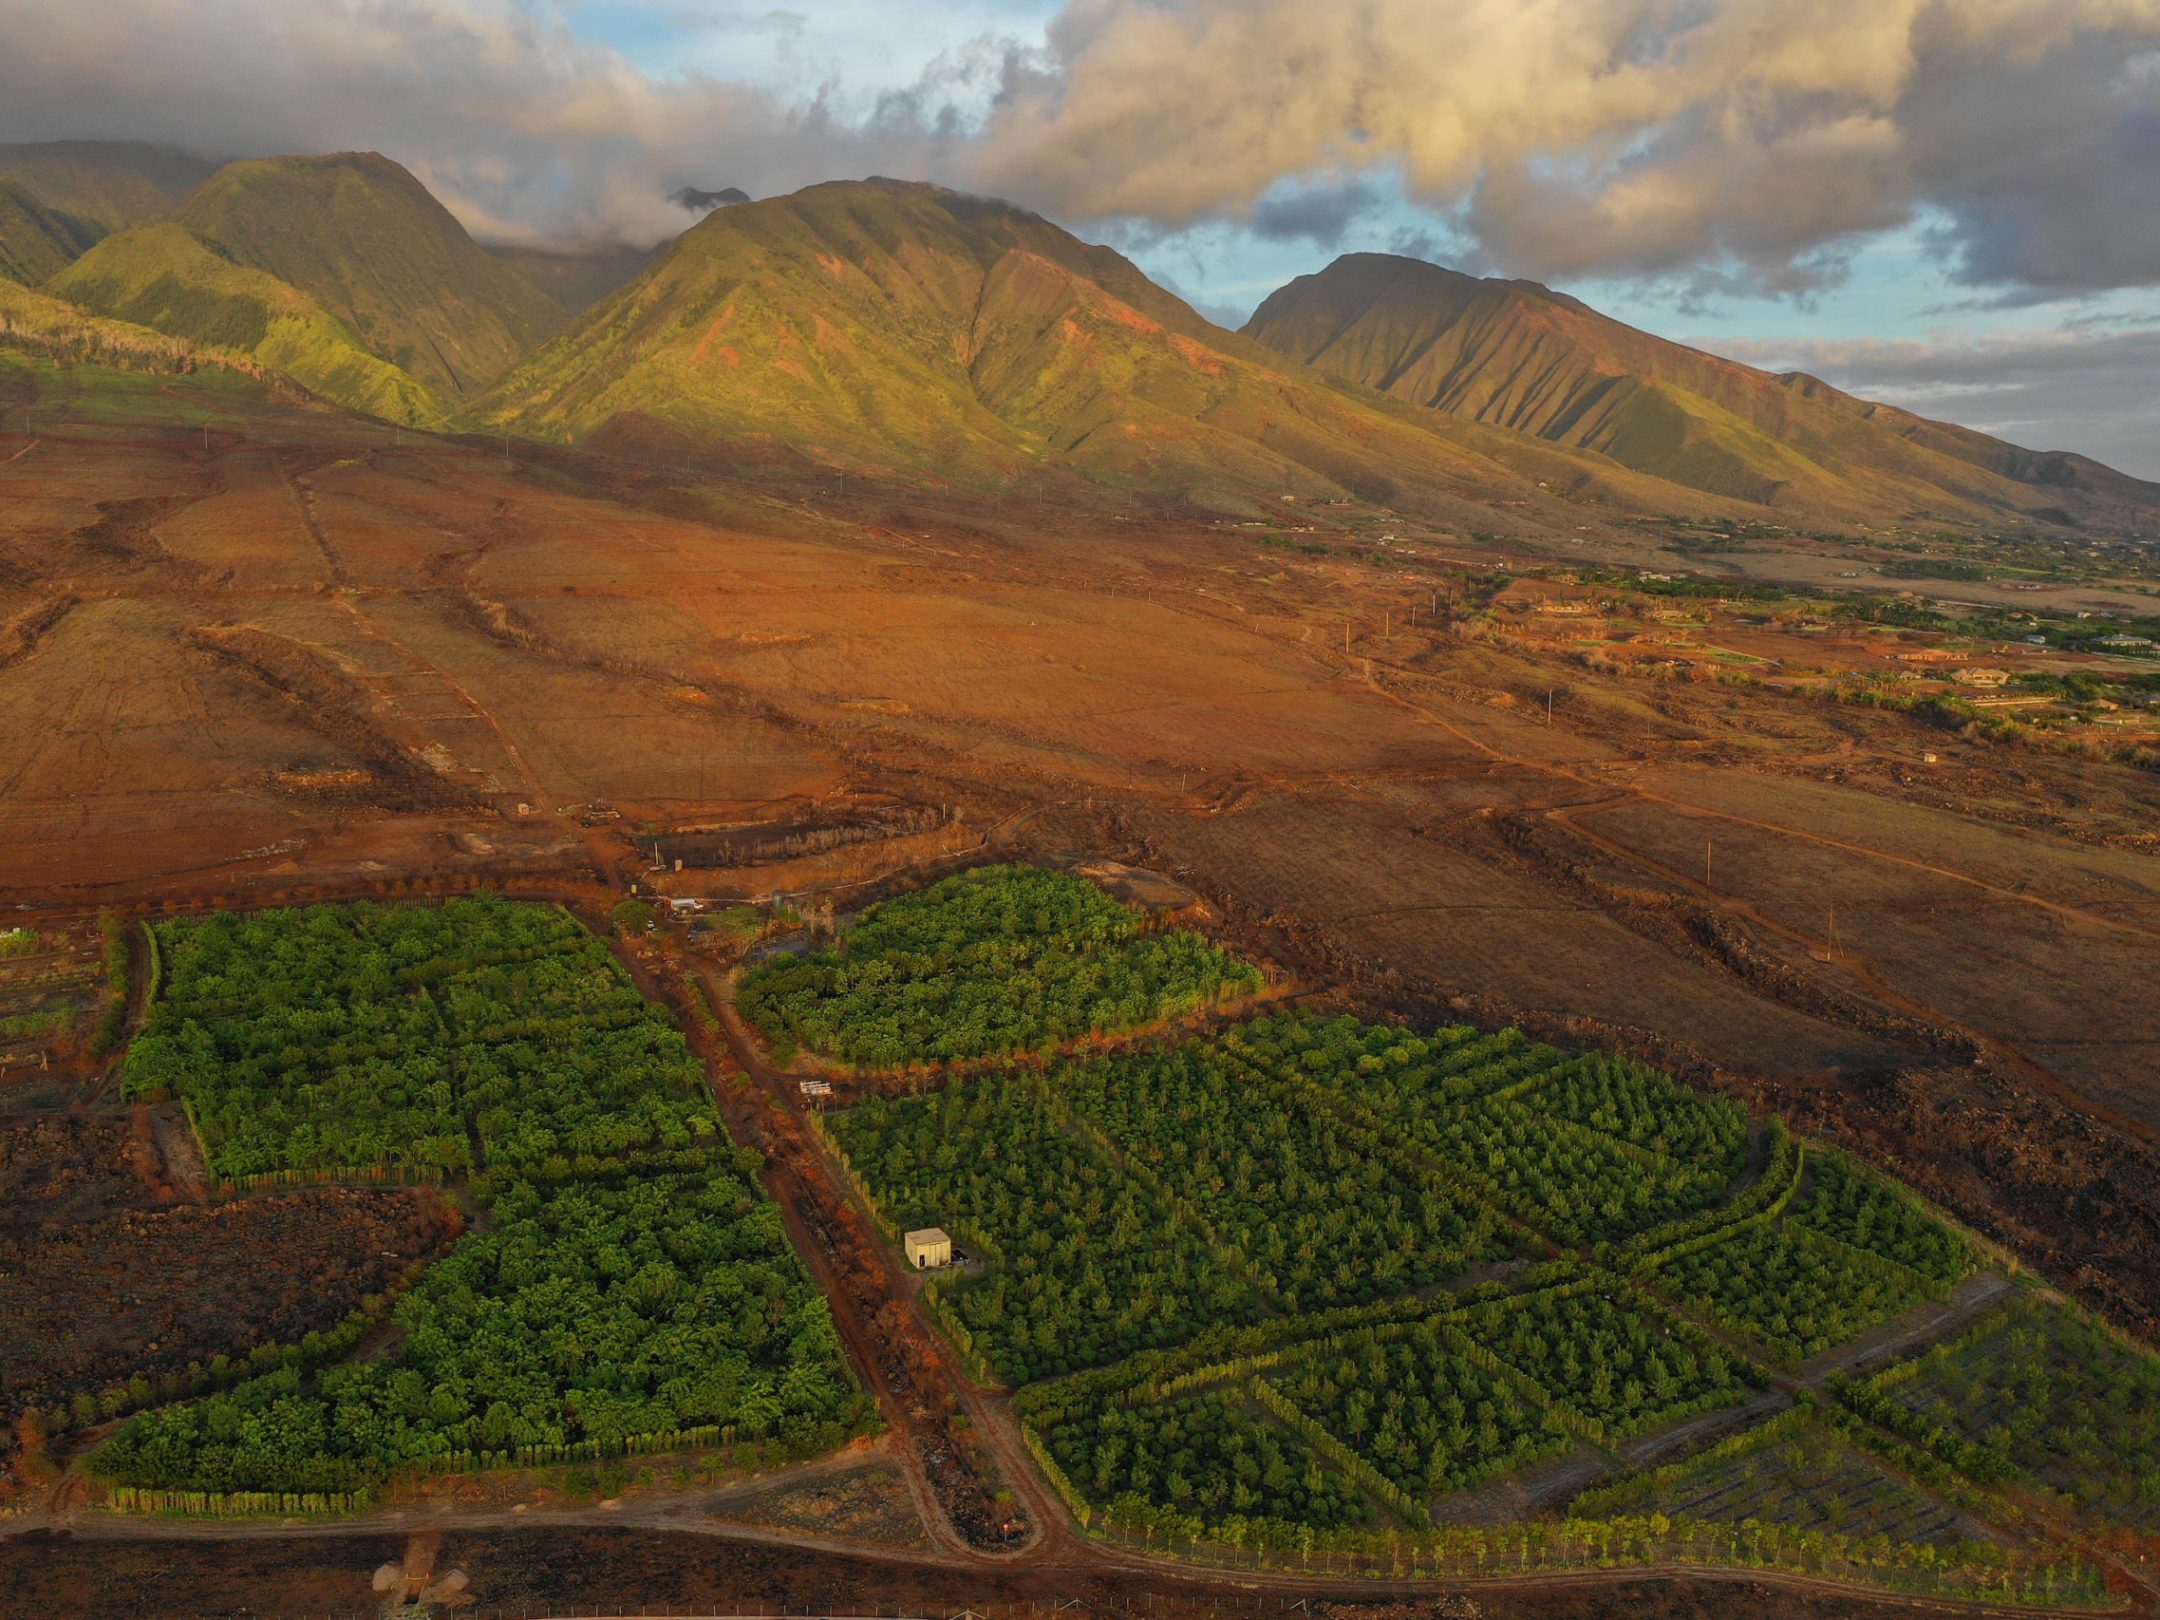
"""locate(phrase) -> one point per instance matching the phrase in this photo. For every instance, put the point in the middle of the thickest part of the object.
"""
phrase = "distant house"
(1981, 677)
(927, 1249)
(2124, 641)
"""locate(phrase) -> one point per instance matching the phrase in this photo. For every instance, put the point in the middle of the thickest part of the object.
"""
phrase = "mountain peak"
(919, 332)
(378, 251)
(1516, 354)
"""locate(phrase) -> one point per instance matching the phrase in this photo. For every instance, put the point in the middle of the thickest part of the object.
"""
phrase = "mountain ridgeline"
(906, 331)
(105, 186)
(1517, 355)
(37, 242)
(909, 331)
(342, 271)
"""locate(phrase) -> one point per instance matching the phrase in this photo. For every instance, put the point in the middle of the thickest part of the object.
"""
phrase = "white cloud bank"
(2087, 386)
(1748, 139)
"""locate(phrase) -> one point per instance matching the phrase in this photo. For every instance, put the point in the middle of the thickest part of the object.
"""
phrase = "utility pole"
(1548, 708)
(1706, 863)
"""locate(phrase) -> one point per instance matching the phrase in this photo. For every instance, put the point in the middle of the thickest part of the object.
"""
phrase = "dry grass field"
(258, 649)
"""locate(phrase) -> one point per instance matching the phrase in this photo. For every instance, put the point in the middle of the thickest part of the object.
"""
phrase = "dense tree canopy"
(993, 960)
(629, 1281)
(582, 1313)
(341, 1036)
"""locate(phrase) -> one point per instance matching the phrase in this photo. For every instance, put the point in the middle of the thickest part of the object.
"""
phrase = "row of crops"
(629, 1285)
(2033, 1395)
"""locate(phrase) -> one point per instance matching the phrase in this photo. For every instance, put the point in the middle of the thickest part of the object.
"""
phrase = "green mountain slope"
(366, 241)
(105, 185)
(576, 281)
(163, 277)
(913, 331)
(1517, 355)
(36, 242)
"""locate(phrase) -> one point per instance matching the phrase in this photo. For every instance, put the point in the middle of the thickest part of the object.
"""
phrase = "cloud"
(1319, 214)
(1718, 143)
(1617, 136)
(2085, 384)
(523, 128)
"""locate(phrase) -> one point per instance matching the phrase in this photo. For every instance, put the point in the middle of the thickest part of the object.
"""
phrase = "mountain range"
(916, 333)
(1521, 356)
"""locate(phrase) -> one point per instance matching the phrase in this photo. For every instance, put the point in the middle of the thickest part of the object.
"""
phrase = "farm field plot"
(629, 1287)
(1238, 1277)
(1793, 1473)
(1323, 1214)
(1425, 1411)
(2035, 1393)
(1295, 1165)
(1850, 1252)
(1600, 1353)
(1211, 1456)
(999, 959)
(50, 988)
(348, 1036)
(1567, 1144)
(1410, 1402)
(587, 1313)
(1085, 1262)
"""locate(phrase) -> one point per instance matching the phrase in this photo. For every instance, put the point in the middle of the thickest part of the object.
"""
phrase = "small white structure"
(817, 1088)
(927, 1249)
